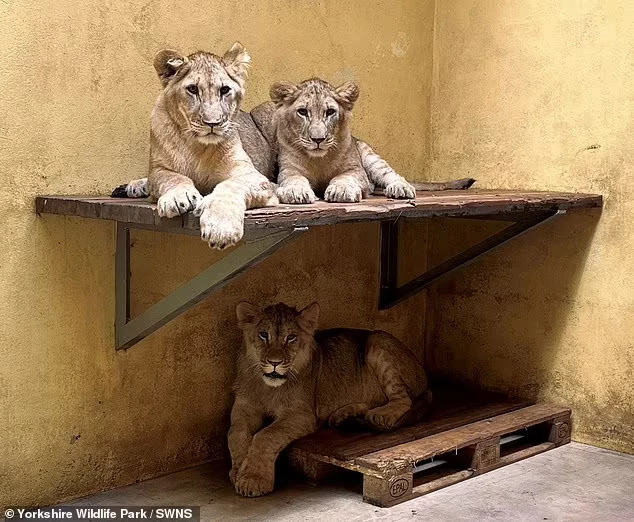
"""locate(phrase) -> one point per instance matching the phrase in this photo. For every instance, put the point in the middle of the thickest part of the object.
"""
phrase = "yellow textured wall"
(76, 90)
(539, 95)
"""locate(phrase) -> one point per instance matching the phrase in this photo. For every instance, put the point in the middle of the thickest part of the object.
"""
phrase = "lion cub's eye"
(224, 90)
(291, 338)
(302, 112)
(192, 89)
(330, 112)
(264, 336)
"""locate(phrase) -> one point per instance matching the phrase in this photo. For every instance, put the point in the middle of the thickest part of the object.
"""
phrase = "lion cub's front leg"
(175, 193)
(294, 188)
(256, 476)
(222, 212)
(245, 422)
(349, 187)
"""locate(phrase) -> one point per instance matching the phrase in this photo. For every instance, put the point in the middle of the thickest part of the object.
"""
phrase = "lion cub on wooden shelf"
(291, 380)
(319, 157)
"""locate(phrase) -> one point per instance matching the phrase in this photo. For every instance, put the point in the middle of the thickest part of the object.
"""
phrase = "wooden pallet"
(432, 455)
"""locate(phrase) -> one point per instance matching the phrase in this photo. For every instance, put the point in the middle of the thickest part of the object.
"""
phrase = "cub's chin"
(317, 153)
(274, 379)
(211, 139)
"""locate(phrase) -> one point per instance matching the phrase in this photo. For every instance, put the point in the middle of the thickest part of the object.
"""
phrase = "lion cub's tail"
(457, 184)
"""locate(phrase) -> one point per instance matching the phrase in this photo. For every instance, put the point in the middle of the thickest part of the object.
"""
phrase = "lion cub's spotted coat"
(297, 380)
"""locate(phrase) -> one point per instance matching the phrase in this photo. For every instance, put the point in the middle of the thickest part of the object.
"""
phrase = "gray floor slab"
(574, 482)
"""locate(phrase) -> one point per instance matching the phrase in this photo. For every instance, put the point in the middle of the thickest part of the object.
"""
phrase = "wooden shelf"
(461, 203)
(268, 229)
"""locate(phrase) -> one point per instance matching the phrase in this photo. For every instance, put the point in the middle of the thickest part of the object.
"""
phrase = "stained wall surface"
(540, 95)
(76, 89)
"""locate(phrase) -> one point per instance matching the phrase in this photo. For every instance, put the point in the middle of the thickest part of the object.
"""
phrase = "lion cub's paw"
(296, 195)
(137, 188)
(221, 228)
(400, 190)
(343, 193)
(383, 417)
(177, 201)
(254, 485)
(345, 412)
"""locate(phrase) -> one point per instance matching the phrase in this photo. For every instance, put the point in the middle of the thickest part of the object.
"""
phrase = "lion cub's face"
(278, 340)
(204, 91)
(314, 112)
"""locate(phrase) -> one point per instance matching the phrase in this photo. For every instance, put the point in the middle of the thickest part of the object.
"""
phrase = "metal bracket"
(129, 331)
(392, 294)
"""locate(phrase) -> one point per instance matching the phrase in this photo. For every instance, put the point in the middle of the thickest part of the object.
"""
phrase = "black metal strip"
(392, 295)
(389, 257)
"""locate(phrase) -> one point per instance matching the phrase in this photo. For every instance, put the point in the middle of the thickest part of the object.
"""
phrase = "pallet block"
(443, 451)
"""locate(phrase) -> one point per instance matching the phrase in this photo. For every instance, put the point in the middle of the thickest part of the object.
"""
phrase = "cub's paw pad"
(252, 485)
(296, 195)
(177, 201)
(343, 193)
(221, 229)
(400, 190)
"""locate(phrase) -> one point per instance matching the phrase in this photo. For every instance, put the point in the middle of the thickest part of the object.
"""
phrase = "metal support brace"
(392, 294)
(130, 331)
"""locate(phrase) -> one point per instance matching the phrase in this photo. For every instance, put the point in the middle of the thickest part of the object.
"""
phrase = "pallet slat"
(346, 446)
(395, 474)
(406, 455)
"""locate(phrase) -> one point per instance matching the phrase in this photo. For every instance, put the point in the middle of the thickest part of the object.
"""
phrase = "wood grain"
(405, 455)
(430, 204)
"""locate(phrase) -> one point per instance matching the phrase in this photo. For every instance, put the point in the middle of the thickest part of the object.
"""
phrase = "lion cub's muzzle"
(212, 130)
(273, 374)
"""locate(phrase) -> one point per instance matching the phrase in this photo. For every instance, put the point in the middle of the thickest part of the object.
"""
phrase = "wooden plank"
(429, 204)
(454, 405)
(348, 446)
(406, 455)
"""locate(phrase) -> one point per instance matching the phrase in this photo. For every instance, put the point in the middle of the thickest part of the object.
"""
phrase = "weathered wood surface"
(451, 408)
(406, 455)
(390, 475)
(429, 204)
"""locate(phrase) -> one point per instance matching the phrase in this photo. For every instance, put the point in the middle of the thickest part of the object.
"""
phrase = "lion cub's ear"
(247, 314)
(347, 94)
(237, 62)
(166, 63)
(284, 92)
(309, 317)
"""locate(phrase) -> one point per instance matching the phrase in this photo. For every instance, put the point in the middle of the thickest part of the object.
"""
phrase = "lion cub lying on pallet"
(292, 380)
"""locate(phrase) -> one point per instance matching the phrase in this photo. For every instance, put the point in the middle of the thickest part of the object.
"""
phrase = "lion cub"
(292, 380)
(319, 156)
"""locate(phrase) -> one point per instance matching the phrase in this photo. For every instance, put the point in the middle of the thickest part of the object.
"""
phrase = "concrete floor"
(574, 482)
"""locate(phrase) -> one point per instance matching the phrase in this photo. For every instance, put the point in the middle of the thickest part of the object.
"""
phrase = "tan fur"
(297, 380)
(196, 145)
(187, 158)
(317, 154)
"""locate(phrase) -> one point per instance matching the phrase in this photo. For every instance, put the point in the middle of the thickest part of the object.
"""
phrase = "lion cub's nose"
(273, 362)
(212, 124)
(318, 140)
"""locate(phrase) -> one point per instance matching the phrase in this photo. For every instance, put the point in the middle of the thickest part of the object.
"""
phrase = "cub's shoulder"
(264, 117)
